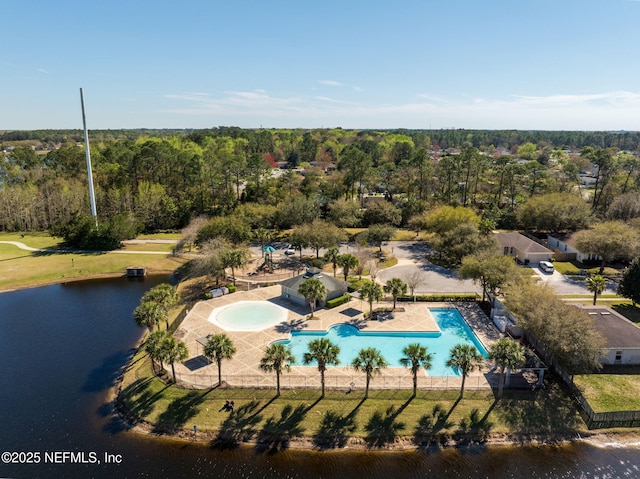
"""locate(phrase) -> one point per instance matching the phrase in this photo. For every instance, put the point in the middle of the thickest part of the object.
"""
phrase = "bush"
(317, 263)
(81, 232)
(355, 284)
(332, 303)
(440, 298)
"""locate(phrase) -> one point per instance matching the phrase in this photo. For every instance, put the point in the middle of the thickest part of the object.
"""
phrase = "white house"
(622, 337)
(566, 245)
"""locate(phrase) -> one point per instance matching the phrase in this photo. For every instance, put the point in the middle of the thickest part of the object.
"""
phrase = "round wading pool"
(248, 316)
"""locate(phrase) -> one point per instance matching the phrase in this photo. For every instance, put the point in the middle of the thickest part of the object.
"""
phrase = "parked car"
(289, 250)
(546, 267)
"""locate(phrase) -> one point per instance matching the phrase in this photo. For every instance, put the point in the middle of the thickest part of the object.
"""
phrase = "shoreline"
(618, 439)
(78, 279)
(605, 439)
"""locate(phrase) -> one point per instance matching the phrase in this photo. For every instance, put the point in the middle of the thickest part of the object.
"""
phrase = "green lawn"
(611, 392)
(34, 240)
(431, 415)
(25, 268)
(167, 248)
(574, 268)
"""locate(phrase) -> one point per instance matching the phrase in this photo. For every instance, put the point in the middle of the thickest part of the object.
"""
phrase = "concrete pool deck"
(243, 369)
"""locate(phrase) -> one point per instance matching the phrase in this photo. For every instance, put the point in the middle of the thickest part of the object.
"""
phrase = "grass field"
(573, 267)
(379, 420)
(611, 392)
(167, 248)
(22, 268)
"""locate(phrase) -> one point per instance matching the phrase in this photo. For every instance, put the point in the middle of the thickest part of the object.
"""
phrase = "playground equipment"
(268, 265)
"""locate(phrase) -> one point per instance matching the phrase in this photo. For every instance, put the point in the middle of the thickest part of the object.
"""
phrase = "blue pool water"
(454, 330)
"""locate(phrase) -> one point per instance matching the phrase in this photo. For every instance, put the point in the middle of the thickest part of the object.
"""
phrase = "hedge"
(332, 303)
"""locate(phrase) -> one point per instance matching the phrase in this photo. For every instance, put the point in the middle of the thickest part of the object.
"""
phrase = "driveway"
(566, 285)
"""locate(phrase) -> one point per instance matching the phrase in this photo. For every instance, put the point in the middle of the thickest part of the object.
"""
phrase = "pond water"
(62, 347)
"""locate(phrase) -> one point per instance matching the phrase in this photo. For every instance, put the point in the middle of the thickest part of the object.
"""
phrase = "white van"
(546, 266)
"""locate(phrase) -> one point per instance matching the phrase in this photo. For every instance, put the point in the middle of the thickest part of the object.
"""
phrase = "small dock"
(136, 272)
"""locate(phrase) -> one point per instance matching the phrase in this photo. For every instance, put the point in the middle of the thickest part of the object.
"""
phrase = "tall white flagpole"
(92, 195)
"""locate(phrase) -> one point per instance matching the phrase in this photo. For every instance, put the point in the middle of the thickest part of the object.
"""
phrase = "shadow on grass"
(277, 433)
(430, 425)
(334, 429)
(240, 426)
(540, 412)
(382, 428)
(179, 411)
(137, 400)
(475, 429)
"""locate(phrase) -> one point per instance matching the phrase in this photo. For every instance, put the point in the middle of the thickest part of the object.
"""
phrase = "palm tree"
(153, 347)
(369, 361)
(164, 295)
(219, 347)
(596, 284)
(396, 287)
(332, 255)
(234, 258)
(148, 314)
(371, 292)
(323, 352)
(508, 355)
(313, 290)
(464, 358)
(347, 262)
(278, 358)
(172, 351)
(415, 357)
(262, 235)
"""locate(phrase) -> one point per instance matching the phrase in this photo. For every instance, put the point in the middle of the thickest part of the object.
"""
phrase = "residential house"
(622, 337)
(565, 245)
(525, 250)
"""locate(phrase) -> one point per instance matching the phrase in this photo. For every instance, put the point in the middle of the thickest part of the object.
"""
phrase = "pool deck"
(243, 369)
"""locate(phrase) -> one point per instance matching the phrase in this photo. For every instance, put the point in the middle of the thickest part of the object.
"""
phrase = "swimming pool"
(248, 316)
(453, 327)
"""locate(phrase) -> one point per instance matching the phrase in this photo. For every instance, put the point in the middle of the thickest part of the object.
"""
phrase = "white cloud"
(331, 83)
(42, 70)
(597, 111)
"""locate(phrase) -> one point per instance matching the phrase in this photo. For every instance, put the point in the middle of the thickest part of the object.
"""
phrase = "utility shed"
(622, 337)
(335, 287)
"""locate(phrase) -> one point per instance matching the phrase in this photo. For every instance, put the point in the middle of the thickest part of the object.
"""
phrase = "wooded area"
(162, 179)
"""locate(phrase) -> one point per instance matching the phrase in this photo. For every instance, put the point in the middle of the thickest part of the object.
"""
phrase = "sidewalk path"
(23, 246)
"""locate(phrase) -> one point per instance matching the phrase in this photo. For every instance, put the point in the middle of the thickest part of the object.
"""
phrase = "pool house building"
(335, 287)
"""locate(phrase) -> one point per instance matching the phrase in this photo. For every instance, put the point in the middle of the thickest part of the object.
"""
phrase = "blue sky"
(537, 64)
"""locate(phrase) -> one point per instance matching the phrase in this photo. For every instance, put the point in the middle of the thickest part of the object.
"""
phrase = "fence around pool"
(333, 381)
